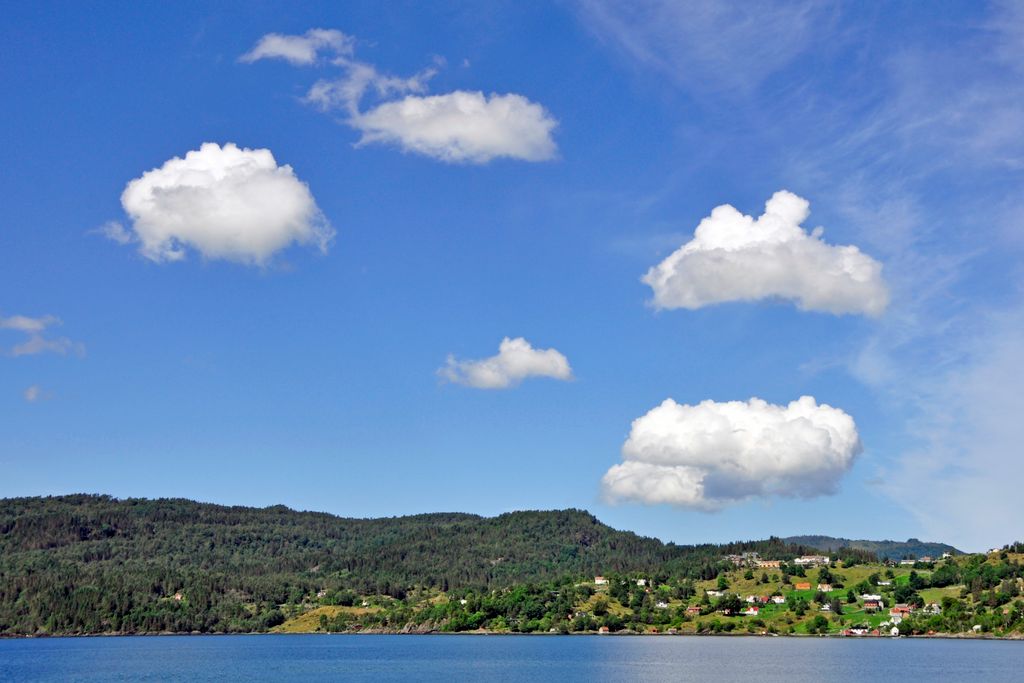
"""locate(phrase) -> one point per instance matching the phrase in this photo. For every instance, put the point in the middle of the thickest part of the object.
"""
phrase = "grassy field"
(310, 621)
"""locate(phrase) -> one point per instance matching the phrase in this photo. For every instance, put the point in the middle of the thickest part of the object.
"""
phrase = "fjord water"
(505, 658)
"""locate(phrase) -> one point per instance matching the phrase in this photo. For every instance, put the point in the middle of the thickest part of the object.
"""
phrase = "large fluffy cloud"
(36, 341)
(710, 455)
(299, 50)
(456, 127)
(226, 203)
(734, 257)
(462, 127)
(516, 360)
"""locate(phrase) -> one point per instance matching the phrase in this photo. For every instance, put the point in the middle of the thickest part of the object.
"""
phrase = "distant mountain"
(886, 550)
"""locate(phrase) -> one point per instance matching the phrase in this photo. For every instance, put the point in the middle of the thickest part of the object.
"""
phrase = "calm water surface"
(506, 658)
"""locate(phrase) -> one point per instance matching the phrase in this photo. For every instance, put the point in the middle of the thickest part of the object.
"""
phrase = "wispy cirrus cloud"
(966, 439)
(931, 171)
(36, 340)
(708, 45)
(456, 127)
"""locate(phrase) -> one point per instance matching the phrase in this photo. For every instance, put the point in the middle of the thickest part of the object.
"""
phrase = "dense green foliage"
(886, 550)
(989, 600)
(91, 564)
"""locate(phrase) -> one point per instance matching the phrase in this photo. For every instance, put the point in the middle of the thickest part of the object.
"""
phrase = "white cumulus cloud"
(300, 50)
(225, 202)
(455, 127)
(516, 360)
(462, 127)
(735, 257)
(710, 455)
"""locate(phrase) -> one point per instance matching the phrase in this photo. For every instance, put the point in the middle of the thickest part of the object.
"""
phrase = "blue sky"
(514, 172)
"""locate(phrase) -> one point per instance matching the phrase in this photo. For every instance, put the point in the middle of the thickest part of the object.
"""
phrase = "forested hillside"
(887, 550)
(90, 564)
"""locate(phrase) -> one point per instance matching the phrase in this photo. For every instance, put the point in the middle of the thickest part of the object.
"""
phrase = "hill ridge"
(885, 549)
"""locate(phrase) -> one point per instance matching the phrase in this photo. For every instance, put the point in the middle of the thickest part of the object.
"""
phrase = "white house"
(752, 611)
(811, 560)
(641, 582)
(779, 600)
(661, 604)
(600, 581)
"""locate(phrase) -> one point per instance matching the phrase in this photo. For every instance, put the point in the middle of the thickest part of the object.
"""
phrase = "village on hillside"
(972, 595)
(806, 591)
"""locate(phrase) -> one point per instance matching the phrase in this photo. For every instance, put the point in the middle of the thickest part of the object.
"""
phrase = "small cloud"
(711, 455)
(300, 50)
(226, 202)
(115, 232)
(734, 257)
(456, 127)
(36, 342)
(23, 323)
(35, 393)
(466, 127)
(516, 360)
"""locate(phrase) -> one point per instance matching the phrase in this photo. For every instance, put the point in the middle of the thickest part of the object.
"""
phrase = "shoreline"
(620, 634)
